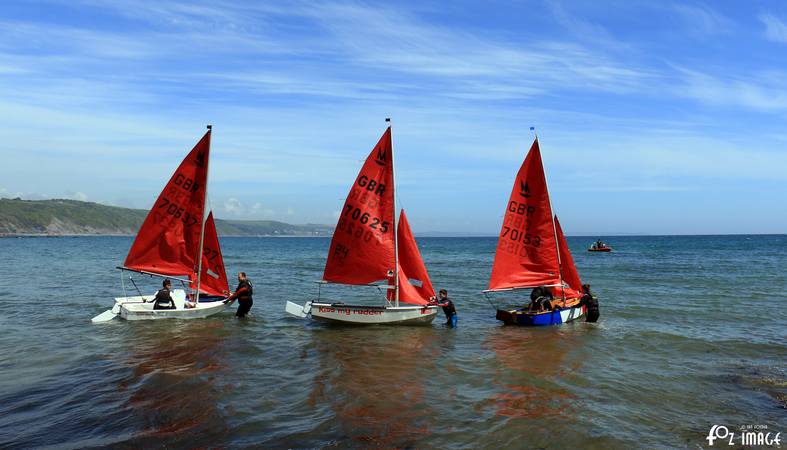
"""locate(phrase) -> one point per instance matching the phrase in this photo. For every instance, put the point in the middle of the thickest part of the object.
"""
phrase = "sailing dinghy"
(177, 241)
(369, 248)
(532, 252)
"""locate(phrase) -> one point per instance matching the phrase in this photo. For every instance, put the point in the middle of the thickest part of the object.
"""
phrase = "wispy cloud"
(762, 92)
(775, 28)
(583, 28)
(81, 196)
(703, 19)
(388, 38)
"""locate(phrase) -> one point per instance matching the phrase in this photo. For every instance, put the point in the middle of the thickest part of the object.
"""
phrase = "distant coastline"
(70, 218)
(73, 218)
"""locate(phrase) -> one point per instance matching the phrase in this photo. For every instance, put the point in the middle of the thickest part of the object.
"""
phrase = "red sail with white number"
(168, 241)
(569, 270)
(526, 253)
(415, 287)
(213, 280)
(362, 248)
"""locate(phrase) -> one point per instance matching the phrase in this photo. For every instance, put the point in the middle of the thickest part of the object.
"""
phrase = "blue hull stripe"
(552, 318)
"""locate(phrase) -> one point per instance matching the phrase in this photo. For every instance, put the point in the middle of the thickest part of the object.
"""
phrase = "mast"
(396, 237)
(202, 229)
(554, 229)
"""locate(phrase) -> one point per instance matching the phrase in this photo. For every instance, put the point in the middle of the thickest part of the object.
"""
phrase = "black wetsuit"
(163, 300)
(591, 303)
(244, 295)
(450, 311)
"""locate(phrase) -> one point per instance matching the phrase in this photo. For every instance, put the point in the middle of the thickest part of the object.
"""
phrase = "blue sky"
(654, 117)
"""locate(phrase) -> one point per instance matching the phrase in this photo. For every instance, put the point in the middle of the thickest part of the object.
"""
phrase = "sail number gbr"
(521, 209)
(186, 183)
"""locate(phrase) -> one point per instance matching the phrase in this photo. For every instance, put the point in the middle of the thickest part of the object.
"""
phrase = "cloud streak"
(775, 28)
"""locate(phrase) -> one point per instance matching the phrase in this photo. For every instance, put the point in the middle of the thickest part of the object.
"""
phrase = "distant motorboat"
(599, 246)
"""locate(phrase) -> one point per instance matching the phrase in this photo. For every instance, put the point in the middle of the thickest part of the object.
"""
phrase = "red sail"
(213, 280)
(411, 267)
(570, 274)
(362, 249)
(168, 241)
(526, 250)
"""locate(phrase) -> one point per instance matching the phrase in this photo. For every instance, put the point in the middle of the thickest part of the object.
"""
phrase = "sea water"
(693, 333)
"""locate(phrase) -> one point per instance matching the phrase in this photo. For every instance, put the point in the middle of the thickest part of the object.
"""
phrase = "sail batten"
(362, 248)
(527, 253)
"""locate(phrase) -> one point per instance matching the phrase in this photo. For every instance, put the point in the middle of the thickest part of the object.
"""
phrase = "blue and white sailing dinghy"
(532, 253)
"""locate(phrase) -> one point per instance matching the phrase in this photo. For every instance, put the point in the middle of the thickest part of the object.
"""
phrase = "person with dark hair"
(448, 308)
(163, 298)
(540, 299)
(591, 304)
(243, 294)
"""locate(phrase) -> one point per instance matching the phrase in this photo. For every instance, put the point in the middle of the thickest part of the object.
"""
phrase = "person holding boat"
(591, 304)
(448, 308)
(163, 298)
(243, 294)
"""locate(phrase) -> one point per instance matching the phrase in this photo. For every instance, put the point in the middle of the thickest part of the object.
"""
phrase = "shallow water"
(693, 333)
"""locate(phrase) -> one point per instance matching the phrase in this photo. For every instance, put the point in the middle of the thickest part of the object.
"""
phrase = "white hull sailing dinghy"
(369, 248)
(363, 315)
(532, 252)
(178, 240)
(140, 307)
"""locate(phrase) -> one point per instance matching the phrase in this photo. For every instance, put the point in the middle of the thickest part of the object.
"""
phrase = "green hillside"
(269, 228)
(72, 217)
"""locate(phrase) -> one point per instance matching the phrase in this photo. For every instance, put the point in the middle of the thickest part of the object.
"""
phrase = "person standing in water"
(243, 294)
(448, 308)
(591, 304)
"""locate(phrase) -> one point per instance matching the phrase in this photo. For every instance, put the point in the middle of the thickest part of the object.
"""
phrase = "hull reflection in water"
(372, 379)
(537, 368)
(171, 390)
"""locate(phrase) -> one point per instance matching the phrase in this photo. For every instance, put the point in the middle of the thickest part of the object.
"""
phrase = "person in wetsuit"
(448, 308)
(163, 298)
(591, 304)
(243, 294)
